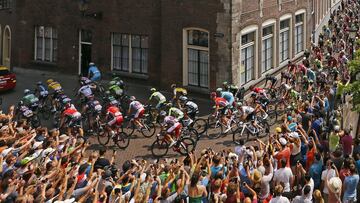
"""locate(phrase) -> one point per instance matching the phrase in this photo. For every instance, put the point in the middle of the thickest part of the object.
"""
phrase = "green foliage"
(354, 86)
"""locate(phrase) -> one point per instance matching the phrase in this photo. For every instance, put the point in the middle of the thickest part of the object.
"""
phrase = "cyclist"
(258, 90)
(57, 90)
(85, 92)
(30, 100)
(226, 95)
(173, 127)
(160, 98)
(248, 114)
(221, 106)
(190, 108)
(94, 73)
(41, 89)
(70, 117)
(136, 111)
(92, 108)
(272, 80)
(113, 116)
(118, 81)
(175, 112)
(178, 91)
(115, 89)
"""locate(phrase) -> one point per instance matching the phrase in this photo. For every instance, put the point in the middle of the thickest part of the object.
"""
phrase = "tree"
(354, 87)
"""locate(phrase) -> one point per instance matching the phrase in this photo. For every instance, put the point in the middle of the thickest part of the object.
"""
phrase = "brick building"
(195, 43)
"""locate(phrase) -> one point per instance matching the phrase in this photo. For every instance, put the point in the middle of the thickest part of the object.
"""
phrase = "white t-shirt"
(323, 178)
(279, 199)
(284, 175)
(265, 185)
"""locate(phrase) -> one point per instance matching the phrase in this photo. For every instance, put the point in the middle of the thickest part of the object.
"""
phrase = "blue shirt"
(311, 75)
(316, 125)
(358, 165)
(315, 173)
(243, 178)
(228, 96)
(350, 183)
(216, 169)
(94, 71)
(292, 127)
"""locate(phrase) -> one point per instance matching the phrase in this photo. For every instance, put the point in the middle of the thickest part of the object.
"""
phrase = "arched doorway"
(6, 47)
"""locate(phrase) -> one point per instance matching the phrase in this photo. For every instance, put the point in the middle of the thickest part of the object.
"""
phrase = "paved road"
(139, 146)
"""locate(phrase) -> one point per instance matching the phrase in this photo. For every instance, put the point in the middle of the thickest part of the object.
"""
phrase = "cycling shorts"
(176, 129)
(118, 120)
(139, 113)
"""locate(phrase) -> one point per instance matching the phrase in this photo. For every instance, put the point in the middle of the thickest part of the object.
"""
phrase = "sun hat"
(294, 135)
(37, 144)
(257, 176)
(335, 185)
(278, 130)
(63, 138)
(282, 141)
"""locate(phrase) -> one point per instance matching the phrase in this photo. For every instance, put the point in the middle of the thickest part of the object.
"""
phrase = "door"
(85, 58)
(85, 38)
(6, 47)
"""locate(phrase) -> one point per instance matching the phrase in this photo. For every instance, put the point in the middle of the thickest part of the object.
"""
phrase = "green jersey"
(158, 97)
(333, 141)
(177, 113)
(30, 99)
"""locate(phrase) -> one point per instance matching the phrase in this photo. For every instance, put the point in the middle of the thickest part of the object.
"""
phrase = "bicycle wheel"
(103, 138)
(265, 129)
(199, 125)
(239, 135)
(192, 134)
(159, 148)
(128, 128)
(186, 145)
(214, 128)
(122, 140)
(148, 130)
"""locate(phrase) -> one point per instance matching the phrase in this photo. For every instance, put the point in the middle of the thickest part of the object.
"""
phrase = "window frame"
(130, 53)
(297, 25)
(264, 39)
(7, 3)
(287, 29)
(43, 46)
(245, 47)
(199, 48)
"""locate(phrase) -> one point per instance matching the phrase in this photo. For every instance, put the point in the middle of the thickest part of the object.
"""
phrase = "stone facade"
(166, 23)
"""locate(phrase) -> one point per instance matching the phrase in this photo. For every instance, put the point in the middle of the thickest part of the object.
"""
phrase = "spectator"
(350, 185)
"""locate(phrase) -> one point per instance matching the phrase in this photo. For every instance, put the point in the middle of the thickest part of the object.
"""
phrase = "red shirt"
(285, 153)
(310, 158)
(258, 90)
(221, 102)
(114, 111)
(69, 112)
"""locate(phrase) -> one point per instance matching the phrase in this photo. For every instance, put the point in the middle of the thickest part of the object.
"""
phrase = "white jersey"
(85, 90)
(247, 109)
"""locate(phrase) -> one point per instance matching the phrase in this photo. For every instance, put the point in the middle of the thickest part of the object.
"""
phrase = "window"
(267, 48)
(121, 52)
(247, 57)
(45, 44)
(299, 33)
(284, 40)
(5, 4)
(130, 53)
(198, 58)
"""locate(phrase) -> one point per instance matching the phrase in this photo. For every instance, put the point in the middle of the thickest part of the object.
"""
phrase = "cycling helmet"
(162, 113)
(132, 98)
(111, 83)
(173, 86)
(26, 91)
(66, 100)
(213, 94)
(239, 104)
(49, 81)
(183, 98)
(311, 81)
(289, 118)
(39, 83)
(219, 89)
(87, 82)
(169, 105)
(153, 90)
(337, 128)
(225, 84)
(114, 103)
(278, 130)
(91, 64)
